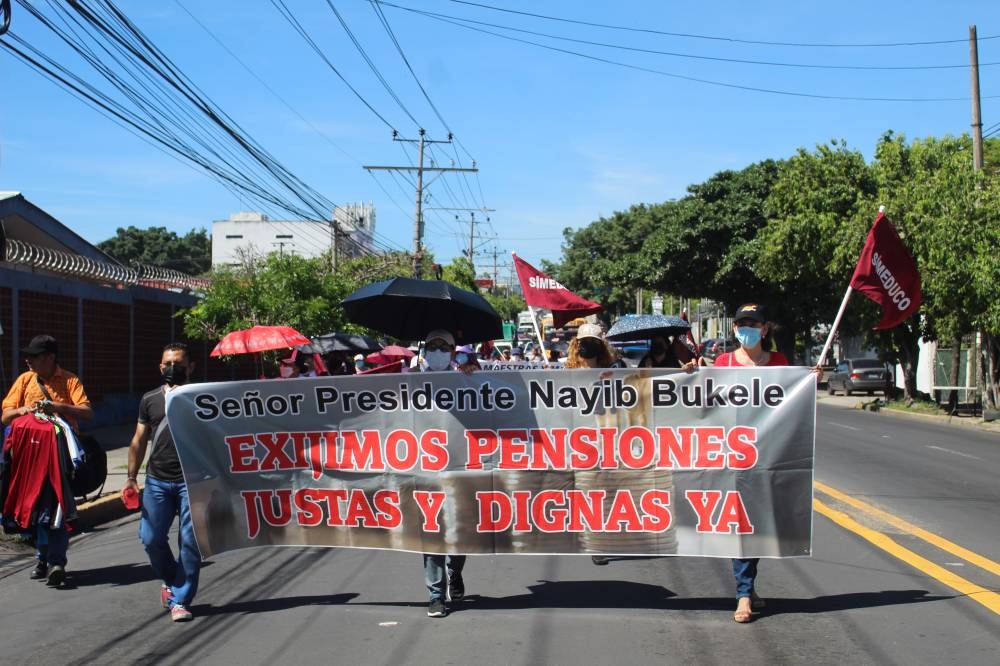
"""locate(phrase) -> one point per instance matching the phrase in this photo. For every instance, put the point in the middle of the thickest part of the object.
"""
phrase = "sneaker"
(57, 574)
(456, 587)
(164, 596)
(40, 571)
(434, 609)
(180, 614)
(599, 560)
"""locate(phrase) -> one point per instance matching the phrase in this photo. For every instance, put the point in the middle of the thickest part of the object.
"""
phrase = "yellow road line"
(978, 594)
(910, 528)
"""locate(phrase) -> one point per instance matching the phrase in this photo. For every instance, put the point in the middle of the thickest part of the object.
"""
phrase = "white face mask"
(437, 360)
(286, 371)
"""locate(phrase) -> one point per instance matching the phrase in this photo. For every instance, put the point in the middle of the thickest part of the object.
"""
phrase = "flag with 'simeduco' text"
(541, 291)
(887, 274)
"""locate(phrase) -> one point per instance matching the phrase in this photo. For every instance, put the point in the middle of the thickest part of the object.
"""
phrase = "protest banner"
(629, 462)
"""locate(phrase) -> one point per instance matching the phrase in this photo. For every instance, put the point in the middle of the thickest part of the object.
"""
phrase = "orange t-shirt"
(63, 386)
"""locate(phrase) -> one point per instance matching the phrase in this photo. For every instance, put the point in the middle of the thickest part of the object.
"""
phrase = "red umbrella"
(258, 339)
(390, 354)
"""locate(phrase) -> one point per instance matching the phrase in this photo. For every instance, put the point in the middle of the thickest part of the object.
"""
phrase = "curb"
(967, 422)
(104, 509)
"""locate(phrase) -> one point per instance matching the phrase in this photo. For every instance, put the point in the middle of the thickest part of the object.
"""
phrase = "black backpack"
(90, 476)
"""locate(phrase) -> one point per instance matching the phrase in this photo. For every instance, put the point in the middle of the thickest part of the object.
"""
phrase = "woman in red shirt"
(751, 330)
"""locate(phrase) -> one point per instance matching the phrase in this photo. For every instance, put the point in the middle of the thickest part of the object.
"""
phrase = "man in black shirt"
(165, 494)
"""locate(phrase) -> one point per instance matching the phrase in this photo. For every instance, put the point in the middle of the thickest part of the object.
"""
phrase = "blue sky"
(560, 140)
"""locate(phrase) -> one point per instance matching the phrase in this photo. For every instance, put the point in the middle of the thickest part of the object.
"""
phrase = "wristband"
(131, 478)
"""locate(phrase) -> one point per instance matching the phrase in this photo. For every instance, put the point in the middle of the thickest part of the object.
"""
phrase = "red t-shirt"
(729, 359)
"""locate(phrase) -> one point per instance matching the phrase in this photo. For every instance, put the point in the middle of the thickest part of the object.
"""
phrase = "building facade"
(349, 233)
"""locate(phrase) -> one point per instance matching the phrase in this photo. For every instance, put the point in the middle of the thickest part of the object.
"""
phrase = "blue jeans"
(51, 545)
(434, 572)
(161, 501)
(745, 572)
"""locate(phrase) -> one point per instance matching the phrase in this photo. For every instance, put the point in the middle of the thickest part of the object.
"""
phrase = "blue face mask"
(748, 336)
(461, 358)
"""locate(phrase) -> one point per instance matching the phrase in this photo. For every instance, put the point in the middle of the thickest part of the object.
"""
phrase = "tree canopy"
(788, 234)
(190, 253)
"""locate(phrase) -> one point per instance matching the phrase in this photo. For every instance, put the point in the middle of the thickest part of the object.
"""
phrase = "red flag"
(541, 291)
(887, 274)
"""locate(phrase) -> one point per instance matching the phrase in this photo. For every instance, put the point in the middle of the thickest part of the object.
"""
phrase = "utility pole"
(977, 165)
(496, 287)
(472, 230)
(977, 120)
(418, 221)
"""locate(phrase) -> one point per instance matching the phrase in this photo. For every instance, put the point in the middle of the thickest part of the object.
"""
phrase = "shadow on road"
(270, 605)
(122, 574)
(625, 594)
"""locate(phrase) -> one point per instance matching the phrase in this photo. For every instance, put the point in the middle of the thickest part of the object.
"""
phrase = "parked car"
(632, 350)
(860, 374)
(715, 346)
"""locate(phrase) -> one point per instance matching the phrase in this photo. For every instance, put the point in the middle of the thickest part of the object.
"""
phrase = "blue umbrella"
(646, 326)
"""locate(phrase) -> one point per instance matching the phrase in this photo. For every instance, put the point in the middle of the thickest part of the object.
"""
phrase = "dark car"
(715, 346)
(860, 374)
(632, 350)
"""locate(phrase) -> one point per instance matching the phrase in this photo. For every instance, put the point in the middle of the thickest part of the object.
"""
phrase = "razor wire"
(79, 266)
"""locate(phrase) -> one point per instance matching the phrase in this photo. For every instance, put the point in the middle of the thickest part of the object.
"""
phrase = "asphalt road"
(853, 602)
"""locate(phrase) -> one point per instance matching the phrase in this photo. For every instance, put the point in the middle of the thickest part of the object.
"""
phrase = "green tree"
(286, 290)
(600, 261)
(819, 211)
(461, 273)
(155, 246)
(947, 214)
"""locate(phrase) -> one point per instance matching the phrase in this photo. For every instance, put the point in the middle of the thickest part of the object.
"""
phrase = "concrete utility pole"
(977, 120)
(977, 165)
(418, 221)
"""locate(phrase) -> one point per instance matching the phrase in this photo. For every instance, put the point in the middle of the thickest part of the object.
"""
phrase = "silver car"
(860, 374)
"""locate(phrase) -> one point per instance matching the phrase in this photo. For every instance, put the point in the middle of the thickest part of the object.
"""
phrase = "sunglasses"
(443, 346)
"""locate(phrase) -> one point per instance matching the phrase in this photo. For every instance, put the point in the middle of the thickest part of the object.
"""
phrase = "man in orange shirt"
(66, 396)
(47, 388)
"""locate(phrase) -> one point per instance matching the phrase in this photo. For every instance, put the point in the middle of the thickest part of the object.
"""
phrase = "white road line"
(843, 426)
(957, 453)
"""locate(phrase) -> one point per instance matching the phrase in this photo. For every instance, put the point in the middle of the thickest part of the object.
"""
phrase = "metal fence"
(76, 265)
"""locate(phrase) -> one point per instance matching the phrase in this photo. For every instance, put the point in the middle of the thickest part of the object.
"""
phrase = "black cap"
(41, 344)
(750, 311)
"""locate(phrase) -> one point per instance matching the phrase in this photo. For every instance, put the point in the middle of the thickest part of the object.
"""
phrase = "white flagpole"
(538, 336)
(833, 329)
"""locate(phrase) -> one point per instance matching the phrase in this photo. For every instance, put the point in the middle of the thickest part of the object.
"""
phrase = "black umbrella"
(345, 342)
(409, 309)
(645, 326)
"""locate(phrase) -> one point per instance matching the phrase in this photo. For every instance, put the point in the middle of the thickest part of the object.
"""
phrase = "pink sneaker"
(164, 596)
(180, 614)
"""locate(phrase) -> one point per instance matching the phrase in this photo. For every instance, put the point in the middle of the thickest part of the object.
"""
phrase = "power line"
(371, 64)
(717, 38)
(287, 14)
(675, 54)
(721, 84)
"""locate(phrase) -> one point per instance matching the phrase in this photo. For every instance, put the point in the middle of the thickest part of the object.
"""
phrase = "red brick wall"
(10, 363)
(105, 370)
(49, 314)
(105, 344)
(152, 332)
